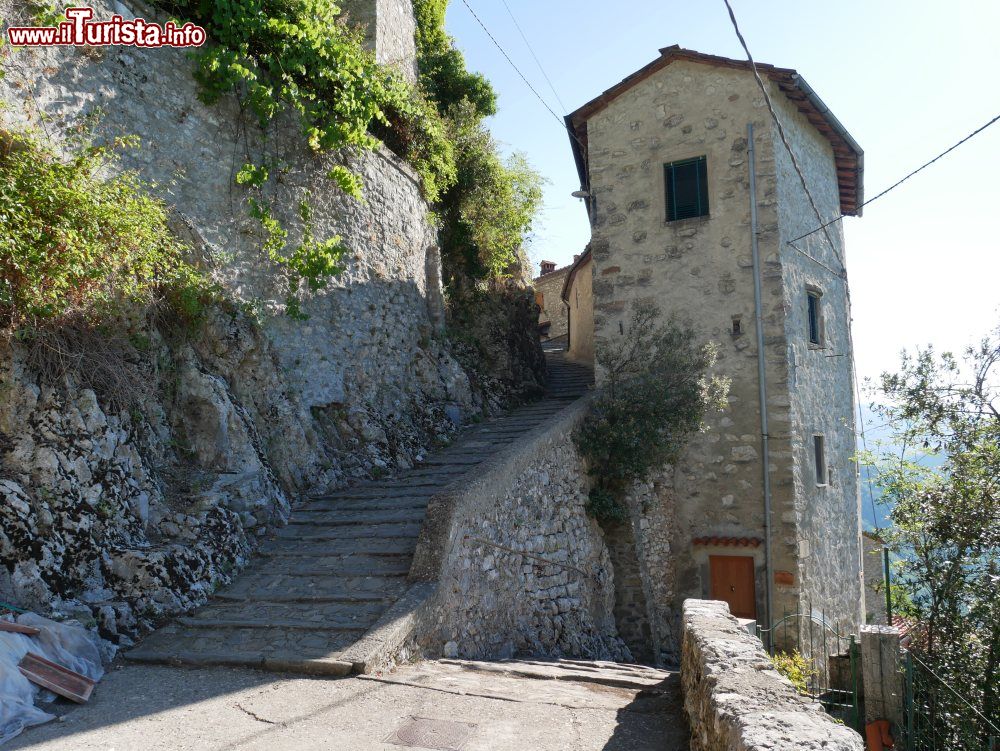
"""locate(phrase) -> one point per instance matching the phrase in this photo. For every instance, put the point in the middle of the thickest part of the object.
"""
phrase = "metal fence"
(835, 679)
(940, 718)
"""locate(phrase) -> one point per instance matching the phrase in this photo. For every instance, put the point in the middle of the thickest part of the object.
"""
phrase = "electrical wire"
(784, 140)
(514, 66)
(896, 184)
(532, 51)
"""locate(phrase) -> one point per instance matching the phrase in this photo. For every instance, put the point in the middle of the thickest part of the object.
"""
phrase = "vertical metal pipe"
(761, 374)
(888, 585)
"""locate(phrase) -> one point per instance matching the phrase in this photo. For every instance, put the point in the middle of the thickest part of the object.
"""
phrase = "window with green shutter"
(687, 188)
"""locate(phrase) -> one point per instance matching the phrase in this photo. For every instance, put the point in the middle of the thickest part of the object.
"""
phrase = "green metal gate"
(938, 717)
(836, 658)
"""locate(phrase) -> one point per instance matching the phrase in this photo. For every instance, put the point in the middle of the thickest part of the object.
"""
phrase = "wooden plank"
(17, 628)
(55, 677)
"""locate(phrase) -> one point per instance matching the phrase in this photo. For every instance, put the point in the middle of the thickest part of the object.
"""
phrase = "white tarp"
(70, 645)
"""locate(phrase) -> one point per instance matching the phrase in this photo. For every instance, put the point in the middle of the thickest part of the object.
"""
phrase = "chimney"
(548, 267)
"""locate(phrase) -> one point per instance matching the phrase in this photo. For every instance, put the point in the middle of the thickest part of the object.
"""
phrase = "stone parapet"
(734, 698)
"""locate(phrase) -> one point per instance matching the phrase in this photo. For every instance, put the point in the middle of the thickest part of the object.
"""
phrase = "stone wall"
(389, 31)
(736, 701)
(122, 516)
(822, 529)
(520, 567)
(133, 514)
(699, 271)
(553, 311)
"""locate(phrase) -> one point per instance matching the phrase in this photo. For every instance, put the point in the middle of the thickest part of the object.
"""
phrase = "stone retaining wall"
(486, 545)
(736, 701)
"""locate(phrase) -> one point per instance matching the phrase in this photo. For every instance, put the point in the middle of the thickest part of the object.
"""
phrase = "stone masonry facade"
(699, 270)
(124, 516)
(522, 568)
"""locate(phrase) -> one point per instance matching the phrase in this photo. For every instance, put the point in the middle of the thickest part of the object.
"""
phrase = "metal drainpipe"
(762, 383)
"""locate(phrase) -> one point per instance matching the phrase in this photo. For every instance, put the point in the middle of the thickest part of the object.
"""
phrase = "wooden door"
(733, 582)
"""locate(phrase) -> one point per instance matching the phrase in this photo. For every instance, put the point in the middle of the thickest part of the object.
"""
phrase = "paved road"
(511, 706)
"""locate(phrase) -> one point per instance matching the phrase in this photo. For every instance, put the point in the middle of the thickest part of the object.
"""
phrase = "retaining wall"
(736, 701)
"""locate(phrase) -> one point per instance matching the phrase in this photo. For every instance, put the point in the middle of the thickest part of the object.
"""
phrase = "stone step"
(260, 584)
(343, 518)
(310, 652)
(356, 531)
(325, 548)
(292, 615)
(454, 460)
(374, 503)
(379, 492)
(342, 563)
(339, 566)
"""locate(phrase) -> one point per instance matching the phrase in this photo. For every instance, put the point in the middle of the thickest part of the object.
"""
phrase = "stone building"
(548, 295)
(667, 158)
(577, 295)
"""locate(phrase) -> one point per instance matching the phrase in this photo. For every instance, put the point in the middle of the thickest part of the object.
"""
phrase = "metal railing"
(835, 657)
(938, 717)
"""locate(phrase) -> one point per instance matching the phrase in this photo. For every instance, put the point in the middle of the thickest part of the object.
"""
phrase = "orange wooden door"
(733, 582)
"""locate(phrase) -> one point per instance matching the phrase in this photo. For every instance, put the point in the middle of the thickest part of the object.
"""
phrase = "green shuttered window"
(687, 188)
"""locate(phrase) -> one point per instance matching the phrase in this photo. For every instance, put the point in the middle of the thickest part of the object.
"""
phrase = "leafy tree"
(946, 525)
(443, 74)
(657, 392)
(488, 213)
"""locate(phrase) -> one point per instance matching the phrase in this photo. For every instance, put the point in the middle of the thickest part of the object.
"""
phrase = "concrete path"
(321, 582)
(508, 706)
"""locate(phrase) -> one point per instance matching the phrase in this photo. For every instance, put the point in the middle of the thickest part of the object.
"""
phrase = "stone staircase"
(322, 581)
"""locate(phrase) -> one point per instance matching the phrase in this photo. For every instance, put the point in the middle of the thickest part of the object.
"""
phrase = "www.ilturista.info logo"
(79, 31)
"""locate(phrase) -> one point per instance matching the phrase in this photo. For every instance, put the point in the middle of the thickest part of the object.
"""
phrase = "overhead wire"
(784, 140)
(533, 55)
(514, 65)
(896, 184)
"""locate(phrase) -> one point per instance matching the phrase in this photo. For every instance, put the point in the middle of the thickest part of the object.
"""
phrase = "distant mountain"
(879, 439)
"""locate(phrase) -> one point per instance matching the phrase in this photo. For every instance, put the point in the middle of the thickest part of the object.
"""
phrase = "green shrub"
(656, 394)
(796, 668)
(443, 74)
(75, 244)
(489, 212)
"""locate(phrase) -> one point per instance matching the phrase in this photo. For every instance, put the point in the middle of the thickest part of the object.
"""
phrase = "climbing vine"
(657, 392)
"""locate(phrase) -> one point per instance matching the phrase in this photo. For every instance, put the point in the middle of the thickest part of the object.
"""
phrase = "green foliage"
(301, 55)
(656, 394)
(443, 74)
(796, 668)
(489, 212)
(74, 243)
(946, 523)
(312, 261)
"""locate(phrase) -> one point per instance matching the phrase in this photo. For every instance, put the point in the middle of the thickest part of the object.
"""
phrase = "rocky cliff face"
(130, 509)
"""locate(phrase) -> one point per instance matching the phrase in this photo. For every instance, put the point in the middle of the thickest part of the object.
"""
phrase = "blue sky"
(907, 79)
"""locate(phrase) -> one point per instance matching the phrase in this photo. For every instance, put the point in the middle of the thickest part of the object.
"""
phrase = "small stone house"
(666, 159)
(548, 296)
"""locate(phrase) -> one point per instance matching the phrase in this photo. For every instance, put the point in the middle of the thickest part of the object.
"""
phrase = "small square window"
(686, 188)
(813, 298)
(819, 454)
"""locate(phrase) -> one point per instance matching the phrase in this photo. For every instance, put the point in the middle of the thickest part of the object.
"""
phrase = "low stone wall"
(520, 567)
(736, 701)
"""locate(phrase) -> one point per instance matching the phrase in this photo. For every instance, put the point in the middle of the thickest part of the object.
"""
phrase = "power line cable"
(532, 51)
(896, 184)
(513, 65)
(784, 140)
